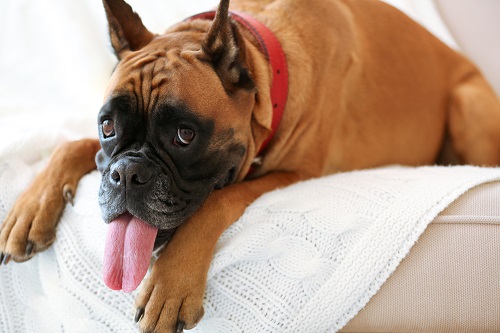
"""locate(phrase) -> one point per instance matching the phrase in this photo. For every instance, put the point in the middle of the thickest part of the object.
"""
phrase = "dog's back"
(374, 85)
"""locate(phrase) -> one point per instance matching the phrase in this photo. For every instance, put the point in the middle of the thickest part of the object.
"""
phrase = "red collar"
(272, 50)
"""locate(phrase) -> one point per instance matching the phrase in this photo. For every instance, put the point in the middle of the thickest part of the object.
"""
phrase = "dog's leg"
(31, 224)
(474, 122)
(173, 294)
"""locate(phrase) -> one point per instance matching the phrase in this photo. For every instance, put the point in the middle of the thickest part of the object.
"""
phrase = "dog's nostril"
(138, 174)
(115, 176)
(136, 179)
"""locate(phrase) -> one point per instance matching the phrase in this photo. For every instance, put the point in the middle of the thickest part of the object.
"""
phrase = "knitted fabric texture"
(304, 258)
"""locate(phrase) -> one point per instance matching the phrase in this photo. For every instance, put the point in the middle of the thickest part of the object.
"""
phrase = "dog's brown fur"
(368, 87)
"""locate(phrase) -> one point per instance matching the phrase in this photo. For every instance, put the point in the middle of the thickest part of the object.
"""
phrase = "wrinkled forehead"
(158, 74)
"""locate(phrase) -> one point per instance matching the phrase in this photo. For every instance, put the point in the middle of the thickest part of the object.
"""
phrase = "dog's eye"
(108, 128)
(184, 136)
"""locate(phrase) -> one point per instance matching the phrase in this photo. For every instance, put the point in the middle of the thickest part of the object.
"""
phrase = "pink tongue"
(127, 252)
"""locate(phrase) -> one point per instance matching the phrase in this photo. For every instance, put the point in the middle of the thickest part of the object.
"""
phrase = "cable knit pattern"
(304, 258)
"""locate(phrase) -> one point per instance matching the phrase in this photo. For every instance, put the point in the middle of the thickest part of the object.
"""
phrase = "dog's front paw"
(30, 226)
(171, 299)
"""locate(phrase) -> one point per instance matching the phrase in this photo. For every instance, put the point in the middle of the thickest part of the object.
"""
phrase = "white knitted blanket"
(303, 258)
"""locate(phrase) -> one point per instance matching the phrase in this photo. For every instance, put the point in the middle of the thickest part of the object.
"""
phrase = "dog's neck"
(274, 95)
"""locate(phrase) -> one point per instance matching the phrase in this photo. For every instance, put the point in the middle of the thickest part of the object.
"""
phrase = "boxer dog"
(186, 115)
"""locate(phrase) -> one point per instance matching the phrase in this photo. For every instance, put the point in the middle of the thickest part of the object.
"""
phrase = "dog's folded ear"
(126, 31)
(225, 48)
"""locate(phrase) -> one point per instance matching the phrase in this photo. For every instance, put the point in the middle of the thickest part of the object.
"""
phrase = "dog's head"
(175, 124)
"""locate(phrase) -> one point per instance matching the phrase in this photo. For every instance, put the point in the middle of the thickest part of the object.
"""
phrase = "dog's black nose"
(130, 172)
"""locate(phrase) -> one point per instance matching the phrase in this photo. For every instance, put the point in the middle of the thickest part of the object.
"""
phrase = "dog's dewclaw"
(68, 194)
(139, 314)
(180, 327)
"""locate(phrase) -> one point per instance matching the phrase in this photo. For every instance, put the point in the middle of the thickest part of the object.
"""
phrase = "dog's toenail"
(180, 327)
(6, 259)
(29, 249)
(1, 257)
(139, 314)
